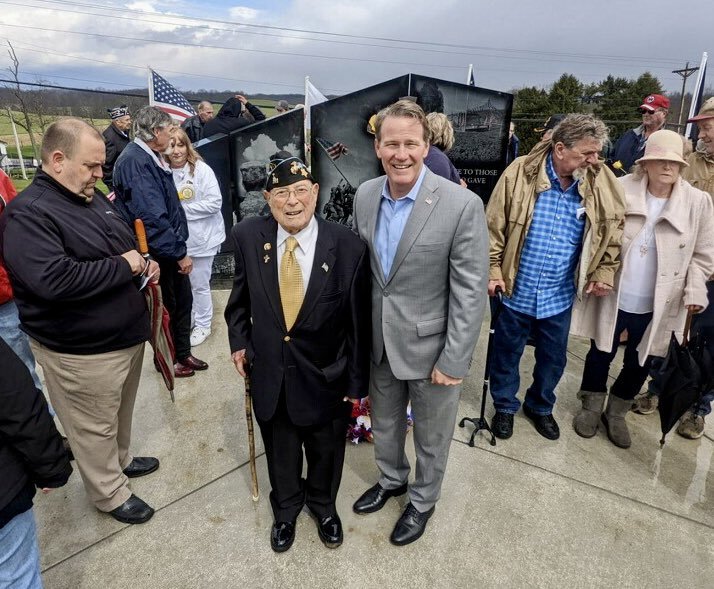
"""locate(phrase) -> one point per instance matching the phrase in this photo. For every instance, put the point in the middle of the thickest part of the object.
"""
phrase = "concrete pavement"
(525, 513)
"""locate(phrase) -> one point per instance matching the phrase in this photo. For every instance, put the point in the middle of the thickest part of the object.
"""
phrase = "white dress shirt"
(304, 253)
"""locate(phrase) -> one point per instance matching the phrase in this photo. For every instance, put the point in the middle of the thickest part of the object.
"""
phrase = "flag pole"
(698, 95)
(151, 87)
(306, 127)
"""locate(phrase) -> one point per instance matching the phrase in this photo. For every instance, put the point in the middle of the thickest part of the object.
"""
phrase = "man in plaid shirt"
(555, 224)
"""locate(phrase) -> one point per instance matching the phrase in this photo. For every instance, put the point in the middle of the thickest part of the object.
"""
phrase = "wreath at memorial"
(360, 426)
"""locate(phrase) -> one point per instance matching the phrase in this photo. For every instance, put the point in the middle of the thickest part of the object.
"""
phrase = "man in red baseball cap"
(631, 145)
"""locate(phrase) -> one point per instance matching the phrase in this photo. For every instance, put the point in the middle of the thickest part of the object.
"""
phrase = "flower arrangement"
(360, 426)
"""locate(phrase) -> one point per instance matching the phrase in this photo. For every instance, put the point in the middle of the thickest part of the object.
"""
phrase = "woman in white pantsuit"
(201, 198)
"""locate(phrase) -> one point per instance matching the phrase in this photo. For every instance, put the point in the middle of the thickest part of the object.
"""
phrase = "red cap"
(655, 101)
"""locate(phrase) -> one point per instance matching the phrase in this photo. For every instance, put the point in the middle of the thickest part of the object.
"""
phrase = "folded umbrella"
(682, 378)
(161, 340)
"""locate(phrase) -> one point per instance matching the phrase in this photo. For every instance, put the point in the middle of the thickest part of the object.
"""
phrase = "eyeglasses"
(644, 111)
(283, 193)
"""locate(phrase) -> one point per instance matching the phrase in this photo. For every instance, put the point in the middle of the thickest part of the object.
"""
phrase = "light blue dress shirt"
(391, 220)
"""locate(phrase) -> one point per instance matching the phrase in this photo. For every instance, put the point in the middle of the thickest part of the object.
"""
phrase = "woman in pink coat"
(667, 256)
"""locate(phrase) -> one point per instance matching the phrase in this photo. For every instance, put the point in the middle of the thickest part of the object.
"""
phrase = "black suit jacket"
(325, 355)
(114, 142)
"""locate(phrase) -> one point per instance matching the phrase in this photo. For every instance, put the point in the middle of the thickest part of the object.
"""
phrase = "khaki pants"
(93, 396)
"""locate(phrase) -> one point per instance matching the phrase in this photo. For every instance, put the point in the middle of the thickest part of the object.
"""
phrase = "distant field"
(267, 106)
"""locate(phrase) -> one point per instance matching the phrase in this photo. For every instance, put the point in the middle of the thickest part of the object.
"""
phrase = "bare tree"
(20, 98)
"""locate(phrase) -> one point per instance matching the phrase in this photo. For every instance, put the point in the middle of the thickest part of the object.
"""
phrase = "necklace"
(645, 244)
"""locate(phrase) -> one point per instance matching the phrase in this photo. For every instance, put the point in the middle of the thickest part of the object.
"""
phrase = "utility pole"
(17, 144)
(685, 73)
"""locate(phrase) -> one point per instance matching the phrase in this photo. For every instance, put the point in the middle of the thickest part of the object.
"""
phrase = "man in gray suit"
(428, 245)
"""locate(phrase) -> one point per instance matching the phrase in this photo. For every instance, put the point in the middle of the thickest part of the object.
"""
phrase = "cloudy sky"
(344, 45)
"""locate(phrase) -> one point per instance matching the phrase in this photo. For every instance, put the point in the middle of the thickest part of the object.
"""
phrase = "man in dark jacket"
(144, 189)
(194, 125)
(631, 146)
(299, 318)
(116, 138)
(235, 113)
(31, 455)
(72, 264)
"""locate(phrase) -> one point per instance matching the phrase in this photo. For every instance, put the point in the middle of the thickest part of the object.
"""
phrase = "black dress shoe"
(374, 498)
(141, 465)
(193, 362)
(410, 526)
(329, 529)
(132, 511)
(502, 425)
(282, 536)
(545, 425)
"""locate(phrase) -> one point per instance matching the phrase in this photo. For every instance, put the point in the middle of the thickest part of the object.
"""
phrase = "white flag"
(312, 97)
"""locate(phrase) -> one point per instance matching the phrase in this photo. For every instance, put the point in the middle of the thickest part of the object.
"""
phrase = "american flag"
(333, 149)
(164, 96)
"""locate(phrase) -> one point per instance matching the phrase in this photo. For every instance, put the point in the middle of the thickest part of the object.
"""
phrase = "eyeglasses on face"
(284, 193)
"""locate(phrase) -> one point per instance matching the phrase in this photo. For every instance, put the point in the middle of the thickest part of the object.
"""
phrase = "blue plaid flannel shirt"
(545, 283)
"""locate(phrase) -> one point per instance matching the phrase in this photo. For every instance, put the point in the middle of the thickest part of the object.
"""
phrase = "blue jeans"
(20, 556)
(551, 343)
(17, 339)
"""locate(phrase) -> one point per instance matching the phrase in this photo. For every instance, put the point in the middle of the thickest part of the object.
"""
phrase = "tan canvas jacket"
(510, 211)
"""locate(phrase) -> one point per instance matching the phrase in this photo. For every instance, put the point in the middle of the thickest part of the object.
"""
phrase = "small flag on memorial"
(164, 96)
(333, 149)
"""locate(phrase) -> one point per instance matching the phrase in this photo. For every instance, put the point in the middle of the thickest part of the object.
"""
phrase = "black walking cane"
(251, 435)
(480, 423)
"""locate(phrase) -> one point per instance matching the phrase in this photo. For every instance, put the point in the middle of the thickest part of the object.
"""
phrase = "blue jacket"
(629, 147)
(145, 191)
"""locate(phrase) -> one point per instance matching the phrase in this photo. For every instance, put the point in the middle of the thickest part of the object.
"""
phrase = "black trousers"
(325, 453)
(632, 376)
(178, 300)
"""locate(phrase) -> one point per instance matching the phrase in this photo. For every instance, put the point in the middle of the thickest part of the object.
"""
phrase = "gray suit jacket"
(428, 311)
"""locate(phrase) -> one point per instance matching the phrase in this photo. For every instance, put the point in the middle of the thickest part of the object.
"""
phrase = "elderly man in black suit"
(299, 319)
(116, 138)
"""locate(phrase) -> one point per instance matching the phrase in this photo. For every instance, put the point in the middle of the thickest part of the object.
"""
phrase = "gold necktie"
(291, 292)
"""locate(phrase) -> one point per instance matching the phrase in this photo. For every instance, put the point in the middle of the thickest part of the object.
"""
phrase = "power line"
(194, 19)
(41, 85)
(39, 49)
(205, 46)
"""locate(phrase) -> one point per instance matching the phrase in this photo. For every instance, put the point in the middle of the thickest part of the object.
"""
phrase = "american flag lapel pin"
(429, 201)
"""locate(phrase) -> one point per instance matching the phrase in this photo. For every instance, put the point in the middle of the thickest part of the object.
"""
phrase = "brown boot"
(587, 419)
(614, 420)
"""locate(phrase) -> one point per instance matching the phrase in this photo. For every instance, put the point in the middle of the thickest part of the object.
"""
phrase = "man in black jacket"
(116, 138)
(194, 125)
(236, 112)
(299, 319)
(72, 262)
(31, 455)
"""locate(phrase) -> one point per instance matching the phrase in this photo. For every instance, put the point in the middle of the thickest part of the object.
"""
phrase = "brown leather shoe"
(193, 362)
(182, 371)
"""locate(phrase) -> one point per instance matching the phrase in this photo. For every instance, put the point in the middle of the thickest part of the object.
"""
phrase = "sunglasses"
(644, 111)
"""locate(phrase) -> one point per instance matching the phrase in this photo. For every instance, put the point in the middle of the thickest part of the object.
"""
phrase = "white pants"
(201, 288)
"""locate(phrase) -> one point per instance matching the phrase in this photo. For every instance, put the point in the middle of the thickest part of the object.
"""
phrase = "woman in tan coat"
(667, 255)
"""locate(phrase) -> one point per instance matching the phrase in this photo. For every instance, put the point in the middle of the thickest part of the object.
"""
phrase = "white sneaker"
(199, 335)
